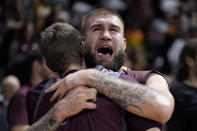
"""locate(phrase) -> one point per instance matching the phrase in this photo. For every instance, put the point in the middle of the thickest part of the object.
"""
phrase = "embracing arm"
(152, 100)
(74, 102)
(49, 122)
(19, 128)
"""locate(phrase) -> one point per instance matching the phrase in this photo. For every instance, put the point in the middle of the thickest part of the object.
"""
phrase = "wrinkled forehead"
(105, 18)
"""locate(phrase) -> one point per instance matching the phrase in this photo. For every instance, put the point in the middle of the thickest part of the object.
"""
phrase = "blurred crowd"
(156, 30)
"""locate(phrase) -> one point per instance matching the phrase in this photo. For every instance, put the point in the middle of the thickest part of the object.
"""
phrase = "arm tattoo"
(52, 122)
(124, 93)
(46, 123)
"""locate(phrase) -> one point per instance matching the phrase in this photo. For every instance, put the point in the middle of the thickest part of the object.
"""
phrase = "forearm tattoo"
(125, 94)
(52, 122)
(46, 123)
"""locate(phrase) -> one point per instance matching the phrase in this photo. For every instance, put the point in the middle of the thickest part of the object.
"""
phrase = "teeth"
(101, 54)
(105, 50)
(106, 47)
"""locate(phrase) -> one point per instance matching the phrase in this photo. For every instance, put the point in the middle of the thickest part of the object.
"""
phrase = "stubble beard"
(114, 65)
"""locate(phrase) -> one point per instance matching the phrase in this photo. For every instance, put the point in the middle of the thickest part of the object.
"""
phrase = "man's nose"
(106, 35)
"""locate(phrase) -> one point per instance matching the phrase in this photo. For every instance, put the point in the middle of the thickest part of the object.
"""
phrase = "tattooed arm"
(74, 102)
(152, 100)
(47, 123)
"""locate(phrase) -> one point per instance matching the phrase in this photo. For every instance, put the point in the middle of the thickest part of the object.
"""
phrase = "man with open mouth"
(147, 94)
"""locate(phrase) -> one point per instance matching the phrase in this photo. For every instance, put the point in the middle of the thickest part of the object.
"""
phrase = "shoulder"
(34, 92)
(21, 93)
(36, 89)
(139, 76)
(31, 98)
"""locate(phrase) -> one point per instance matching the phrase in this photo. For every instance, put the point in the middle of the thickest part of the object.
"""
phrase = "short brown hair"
(96, 12)
(60, 44)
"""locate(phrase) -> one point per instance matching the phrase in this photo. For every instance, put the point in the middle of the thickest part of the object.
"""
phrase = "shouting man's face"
(104, 42)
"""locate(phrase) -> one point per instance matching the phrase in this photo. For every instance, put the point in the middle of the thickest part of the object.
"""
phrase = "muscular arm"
(47, 123)
(152, 100)
(19, 128)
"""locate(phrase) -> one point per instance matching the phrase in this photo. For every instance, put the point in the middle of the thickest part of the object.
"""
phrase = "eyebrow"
(95, 25)
(115, 26)
(100, 24)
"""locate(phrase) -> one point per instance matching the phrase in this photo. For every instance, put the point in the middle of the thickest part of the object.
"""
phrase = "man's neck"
(74, 67)
(35, 79)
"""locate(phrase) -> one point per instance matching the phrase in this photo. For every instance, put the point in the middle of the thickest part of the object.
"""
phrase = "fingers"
(88, 96)
(91, 94)
(90, 105)
(52, 88)
(125, 69)
(61, 89)
(61, 95)
(76, 100)
(83, 93)
(55, 95)
(88, 93)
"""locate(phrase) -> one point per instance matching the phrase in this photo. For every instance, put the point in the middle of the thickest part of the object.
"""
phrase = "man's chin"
(105, 64)
(114, 63)
(103, 57)
(104, 61)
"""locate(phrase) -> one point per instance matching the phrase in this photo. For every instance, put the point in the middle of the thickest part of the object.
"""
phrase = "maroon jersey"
(17, 113)
(106, 117)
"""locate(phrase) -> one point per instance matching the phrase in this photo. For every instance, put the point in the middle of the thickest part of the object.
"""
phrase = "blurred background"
(156, 30)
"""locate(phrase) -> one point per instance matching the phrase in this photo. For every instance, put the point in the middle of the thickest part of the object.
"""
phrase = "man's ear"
(125, 43)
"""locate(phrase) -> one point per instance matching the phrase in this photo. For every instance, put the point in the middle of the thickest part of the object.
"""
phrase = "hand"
(125, 69)
(75, 101)
(79, 78)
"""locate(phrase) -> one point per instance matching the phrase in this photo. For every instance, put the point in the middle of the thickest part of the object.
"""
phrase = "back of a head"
(60, 44)
(190, 49)
(10, 84)
(97, 12)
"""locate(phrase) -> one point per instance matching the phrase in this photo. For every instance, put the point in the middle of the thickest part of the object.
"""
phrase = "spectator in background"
(24, 43)
(43, 10)
(10, 84)
(19, 12)
(79, 9)
(184, 90)
(32, 70)
(58, 14)
(18, 15)
(187, 29)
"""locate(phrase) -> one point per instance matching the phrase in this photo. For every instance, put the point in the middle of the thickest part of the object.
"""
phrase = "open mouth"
(105, 50)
